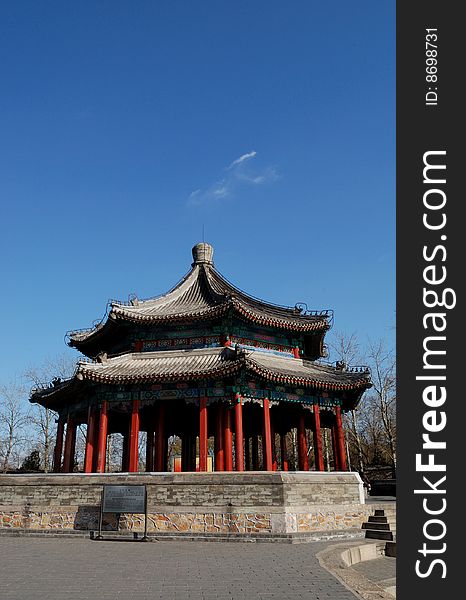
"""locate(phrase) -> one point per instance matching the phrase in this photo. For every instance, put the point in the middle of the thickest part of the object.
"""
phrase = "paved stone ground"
(68, 569)
(381, 570)
(378, 569)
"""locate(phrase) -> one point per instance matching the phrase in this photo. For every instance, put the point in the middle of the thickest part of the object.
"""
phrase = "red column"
(296, 352)
(160, 439)
(150, 450)
(219, 450)
(283, 452)
(203, 434)
(90, 440)
(96, 439)
(267, 439)
(58, 444)
(341, 451)
(239, 452)
(302, 445)
(134, 439)
(102, 441)
(68, 458)
(228, 440)
(318, 454)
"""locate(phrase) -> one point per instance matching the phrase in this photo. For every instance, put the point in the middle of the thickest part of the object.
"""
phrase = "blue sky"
(128, 126)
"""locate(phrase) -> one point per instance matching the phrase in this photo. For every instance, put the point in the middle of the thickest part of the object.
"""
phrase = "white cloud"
(267, 175)
(239, 173)
(242, 158)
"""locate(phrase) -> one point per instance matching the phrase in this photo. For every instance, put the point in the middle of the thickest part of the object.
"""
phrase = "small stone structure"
(244, 504)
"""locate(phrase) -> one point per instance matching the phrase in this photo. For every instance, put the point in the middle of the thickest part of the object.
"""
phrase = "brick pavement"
(72, 569)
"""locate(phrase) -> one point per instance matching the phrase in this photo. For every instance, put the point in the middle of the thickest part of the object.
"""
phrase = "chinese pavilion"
(204, 361)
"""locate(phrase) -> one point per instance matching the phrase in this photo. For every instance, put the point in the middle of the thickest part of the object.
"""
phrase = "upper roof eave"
(204, 294)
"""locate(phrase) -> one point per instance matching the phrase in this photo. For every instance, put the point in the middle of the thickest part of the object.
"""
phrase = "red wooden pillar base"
(95, 454)
(228, 440)
(90, 441)
(239, 440)
(102, 439)
(302, 445)
(58, 444)
(203, 434)
(267, 439)
(239, 437)
(134, 439)
(318, 454)
(341, 450)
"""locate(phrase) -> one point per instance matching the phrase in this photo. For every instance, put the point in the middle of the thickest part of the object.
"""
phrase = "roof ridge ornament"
(101, 357)
(202, 254)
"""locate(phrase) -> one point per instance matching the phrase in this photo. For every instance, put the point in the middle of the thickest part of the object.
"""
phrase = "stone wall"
(239, 503)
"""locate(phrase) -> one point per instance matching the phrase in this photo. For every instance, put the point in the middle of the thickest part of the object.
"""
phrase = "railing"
(41, 386)
(345, 368)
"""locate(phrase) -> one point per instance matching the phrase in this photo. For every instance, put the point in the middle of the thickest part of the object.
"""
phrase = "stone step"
(380, 512)
(379, 535)
(390, 549)
(374, 519)
(376, 526)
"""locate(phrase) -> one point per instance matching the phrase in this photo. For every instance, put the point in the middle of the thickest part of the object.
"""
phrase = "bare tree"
(43, 419)
(13, 420)
(383, 393)
(346, 347)
(372, 426)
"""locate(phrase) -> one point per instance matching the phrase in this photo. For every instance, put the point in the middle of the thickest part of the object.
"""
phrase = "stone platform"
(233, 505)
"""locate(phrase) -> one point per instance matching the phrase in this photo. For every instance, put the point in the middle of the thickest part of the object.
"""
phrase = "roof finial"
(202, 254)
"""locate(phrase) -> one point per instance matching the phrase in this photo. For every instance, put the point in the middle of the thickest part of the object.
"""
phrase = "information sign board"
(124, 499)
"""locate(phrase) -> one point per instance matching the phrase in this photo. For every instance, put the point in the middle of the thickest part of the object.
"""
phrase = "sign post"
(123, 499)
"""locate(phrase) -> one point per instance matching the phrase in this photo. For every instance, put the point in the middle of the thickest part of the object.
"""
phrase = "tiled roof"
(305, 372)
(178, 365)
(205, 294)
(208, 363)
